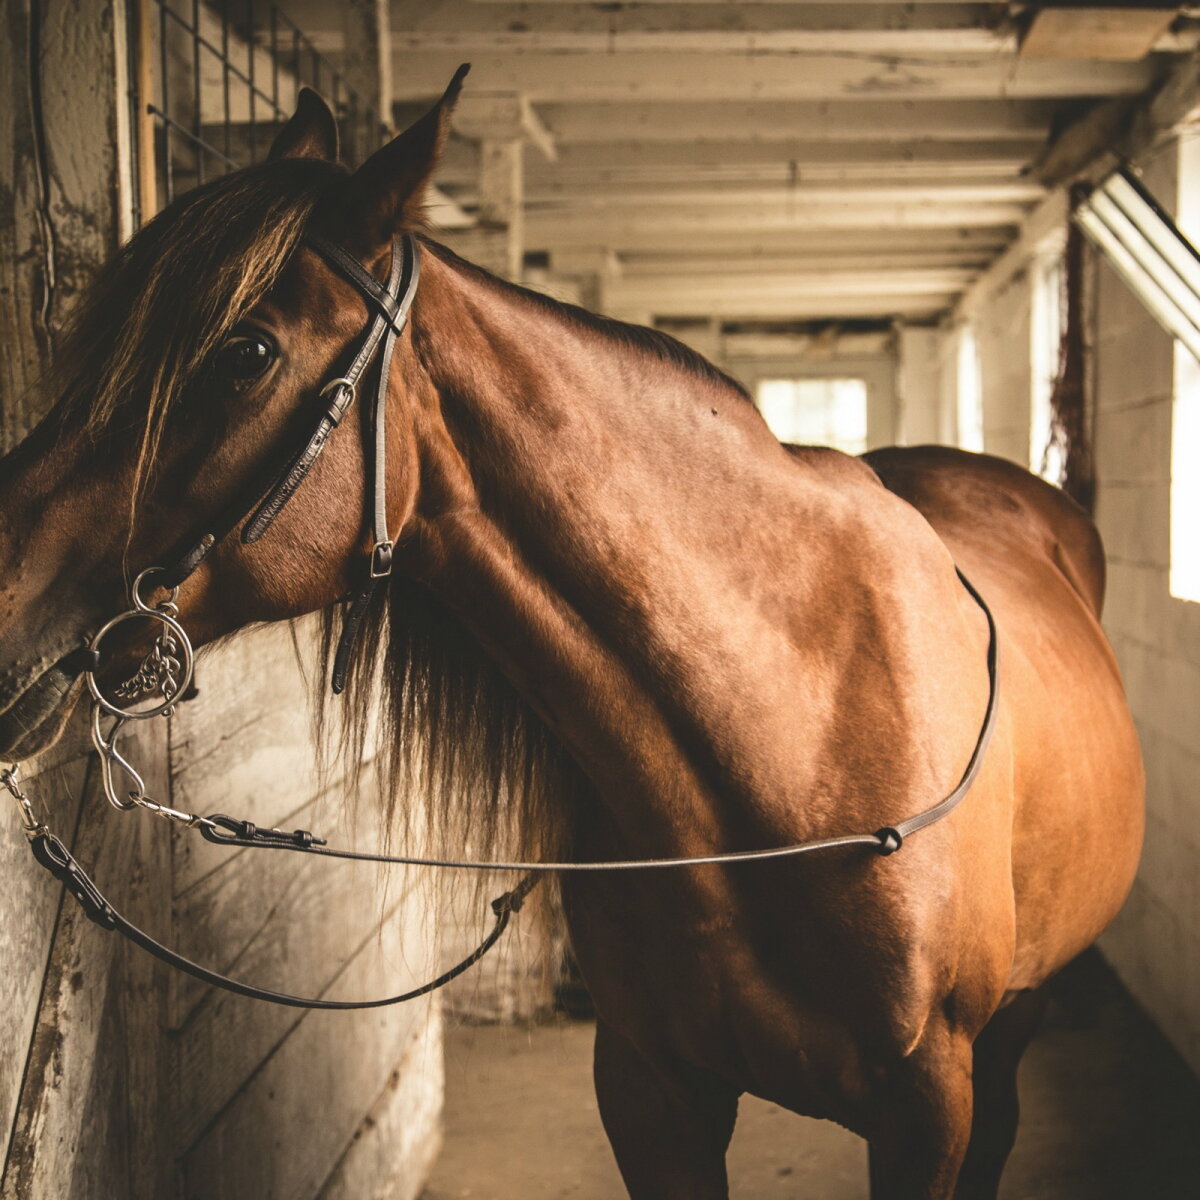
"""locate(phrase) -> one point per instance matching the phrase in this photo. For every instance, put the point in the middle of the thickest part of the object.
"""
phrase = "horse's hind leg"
(997, 1055)
(669, 1125)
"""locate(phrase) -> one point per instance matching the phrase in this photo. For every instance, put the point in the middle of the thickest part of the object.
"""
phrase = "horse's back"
(989, 506)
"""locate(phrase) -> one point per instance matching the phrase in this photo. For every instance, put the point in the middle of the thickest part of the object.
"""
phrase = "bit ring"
(187, 653)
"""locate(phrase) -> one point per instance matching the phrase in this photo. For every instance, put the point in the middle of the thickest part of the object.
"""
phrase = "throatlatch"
(166, 673)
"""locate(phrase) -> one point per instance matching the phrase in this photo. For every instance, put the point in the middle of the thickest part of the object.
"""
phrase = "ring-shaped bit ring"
(135, 592)
(189, 661)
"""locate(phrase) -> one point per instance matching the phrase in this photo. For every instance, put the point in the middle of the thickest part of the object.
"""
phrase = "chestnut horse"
(610, 575)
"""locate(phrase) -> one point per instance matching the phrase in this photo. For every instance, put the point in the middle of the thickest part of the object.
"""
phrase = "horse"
(627, 623)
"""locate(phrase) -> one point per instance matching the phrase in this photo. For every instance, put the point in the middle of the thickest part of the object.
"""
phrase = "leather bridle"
(391, 303)
(168, 671)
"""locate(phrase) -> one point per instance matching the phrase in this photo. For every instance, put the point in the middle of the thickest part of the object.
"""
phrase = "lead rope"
(168, 670)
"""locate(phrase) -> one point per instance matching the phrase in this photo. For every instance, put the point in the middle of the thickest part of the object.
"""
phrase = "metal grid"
(211, 85)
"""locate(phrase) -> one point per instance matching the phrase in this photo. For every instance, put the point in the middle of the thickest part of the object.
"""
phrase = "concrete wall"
(1155, 942)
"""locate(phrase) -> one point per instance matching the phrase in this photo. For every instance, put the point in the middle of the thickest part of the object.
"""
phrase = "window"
(1046, 331)
(1185, 424)
(816, 412)
(969, 392)
(1185, 478)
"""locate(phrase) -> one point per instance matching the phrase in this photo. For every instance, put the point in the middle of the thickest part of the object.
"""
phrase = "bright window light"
(1185, 426)
(1046, 331)
(969, 391)
(816, 412)
(1185, 479)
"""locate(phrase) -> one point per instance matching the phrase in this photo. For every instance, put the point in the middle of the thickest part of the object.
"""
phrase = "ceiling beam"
(631, 229)
(823, 160)
(765, 267)
(743, 238)
(559, 78)
(869, 120)
(549, 194)
(880, 304)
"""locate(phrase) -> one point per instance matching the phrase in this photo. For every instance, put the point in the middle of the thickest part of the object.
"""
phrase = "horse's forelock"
(176, 290)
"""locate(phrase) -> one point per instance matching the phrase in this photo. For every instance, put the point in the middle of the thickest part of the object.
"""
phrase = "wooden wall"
(119, 1078)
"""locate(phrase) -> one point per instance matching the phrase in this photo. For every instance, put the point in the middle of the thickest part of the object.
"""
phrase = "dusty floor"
(1109, 1113)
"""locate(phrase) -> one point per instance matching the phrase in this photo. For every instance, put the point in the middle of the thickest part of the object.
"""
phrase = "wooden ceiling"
(773, 161)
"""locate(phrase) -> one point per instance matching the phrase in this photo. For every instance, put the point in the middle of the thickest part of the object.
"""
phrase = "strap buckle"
(343, 391)
(381, 560)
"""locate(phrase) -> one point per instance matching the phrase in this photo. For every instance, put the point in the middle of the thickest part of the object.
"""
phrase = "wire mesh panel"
(213, 83)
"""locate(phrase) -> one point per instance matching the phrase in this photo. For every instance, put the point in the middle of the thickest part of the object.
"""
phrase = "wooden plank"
(394, 1148)
(283, 923)
(842, 120)
(587, 78)
(72, 1135)
(746, 158)
(29, 898)
(620, 230)
(299, 1110)
(245, 744)
(1112, 34)
(614, 196)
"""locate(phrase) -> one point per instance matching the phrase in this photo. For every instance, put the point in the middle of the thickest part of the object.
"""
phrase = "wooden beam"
(366, 53)
(881, 305)
(550, 195)
(746, 239)
(621, 229)
(1112, 34)
(824, 160)
(719, 290)
(1097, 132)
(1116, 131)
(596, 77)
(767, 267)
(867, 120)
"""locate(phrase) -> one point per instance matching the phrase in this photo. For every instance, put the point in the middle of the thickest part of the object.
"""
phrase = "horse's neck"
(630, 543)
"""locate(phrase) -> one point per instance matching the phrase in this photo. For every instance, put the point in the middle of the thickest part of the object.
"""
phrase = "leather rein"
(167, 672)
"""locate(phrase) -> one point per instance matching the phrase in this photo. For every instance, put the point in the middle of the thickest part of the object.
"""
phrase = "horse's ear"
(389, 188)
(311, 132)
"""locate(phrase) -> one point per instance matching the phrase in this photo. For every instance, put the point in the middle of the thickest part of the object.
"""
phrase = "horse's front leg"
(922, 1122)
(669, 1125)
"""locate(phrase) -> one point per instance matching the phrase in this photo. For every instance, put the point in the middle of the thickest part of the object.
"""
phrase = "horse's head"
(192, 372)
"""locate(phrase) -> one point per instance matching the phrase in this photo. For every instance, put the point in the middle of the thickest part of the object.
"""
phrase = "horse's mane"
(450, 730)
(639, 337)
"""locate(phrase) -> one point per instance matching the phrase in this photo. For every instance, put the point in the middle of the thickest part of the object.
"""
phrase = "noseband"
(167, 670)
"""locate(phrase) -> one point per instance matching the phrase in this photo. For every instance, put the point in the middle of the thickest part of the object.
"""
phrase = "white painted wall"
(1155, 942)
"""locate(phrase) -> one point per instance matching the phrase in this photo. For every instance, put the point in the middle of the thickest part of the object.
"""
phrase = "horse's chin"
(35, 721)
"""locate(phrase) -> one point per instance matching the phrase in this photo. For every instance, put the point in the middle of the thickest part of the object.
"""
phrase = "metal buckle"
(337, 410)
(381, 560)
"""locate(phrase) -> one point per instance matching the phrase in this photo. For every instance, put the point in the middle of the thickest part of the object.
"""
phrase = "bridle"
(168, 669)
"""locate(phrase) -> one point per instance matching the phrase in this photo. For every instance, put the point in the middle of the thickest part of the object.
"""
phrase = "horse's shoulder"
(977, 499)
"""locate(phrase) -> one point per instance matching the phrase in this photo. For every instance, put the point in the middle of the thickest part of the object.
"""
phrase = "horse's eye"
(244, 358)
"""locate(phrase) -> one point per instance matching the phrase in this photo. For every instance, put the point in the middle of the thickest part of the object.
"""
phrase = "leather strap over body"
(58, 860)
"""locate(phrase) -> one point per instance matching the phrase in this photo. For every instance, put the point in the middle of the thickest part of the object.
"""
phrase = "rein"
(167, 672)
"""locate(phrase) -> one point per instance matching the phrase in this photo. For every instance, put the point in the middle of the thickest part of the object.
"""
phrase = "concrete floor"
(1109, 1113)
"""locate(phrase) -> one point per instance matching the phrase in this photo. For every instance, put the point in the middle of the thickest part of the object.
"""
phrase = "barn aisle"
(1109, 1113)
